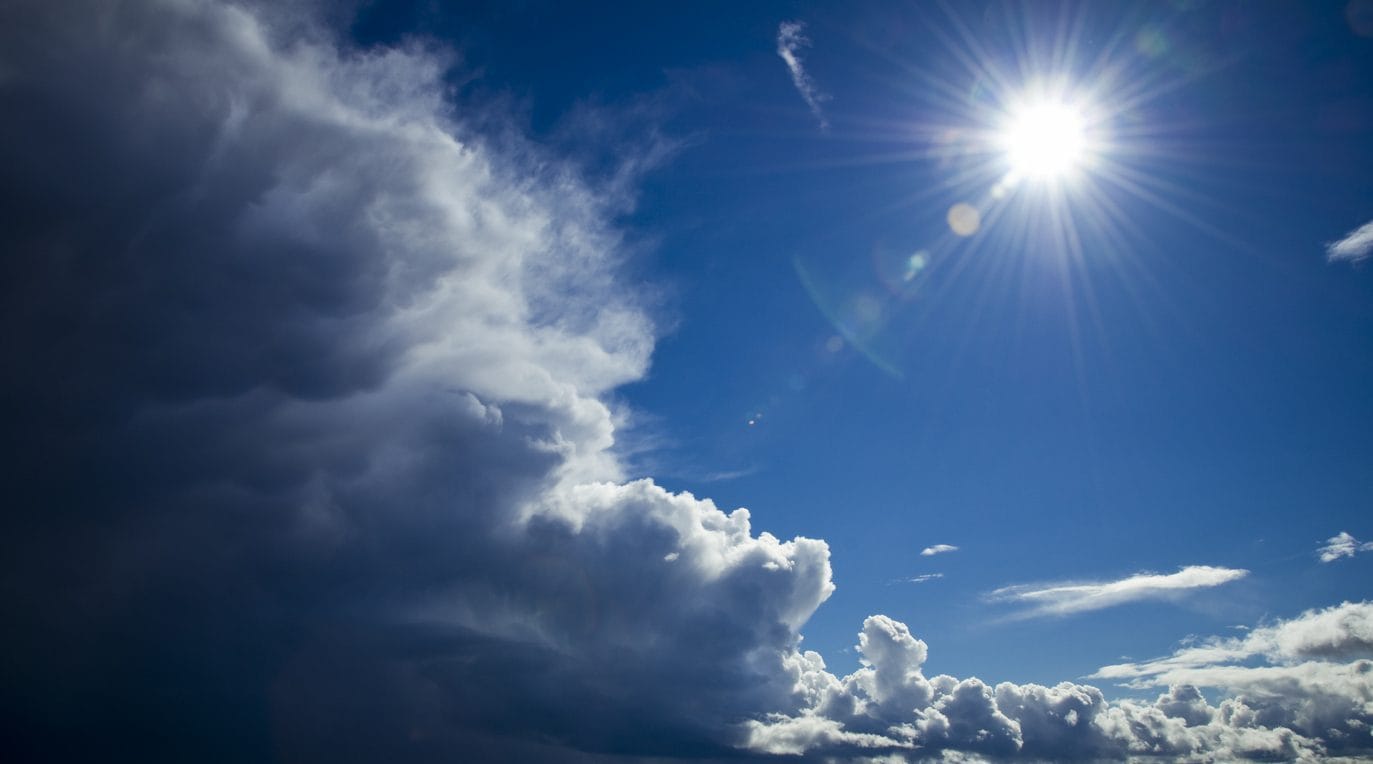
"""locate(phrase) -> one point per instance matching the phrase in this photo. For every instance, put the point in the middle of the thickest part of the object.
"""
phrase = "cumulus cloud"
(1342, 545)
(1355, 247)
(305, 409)
(791, 40)
(1066, 598)
(1313, 700)
(1311, 674)
(931, 551)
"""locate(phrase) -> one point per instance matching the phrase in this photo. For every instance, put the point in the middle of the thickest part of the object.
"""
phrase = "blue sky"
(1191, 388)
(375, 367)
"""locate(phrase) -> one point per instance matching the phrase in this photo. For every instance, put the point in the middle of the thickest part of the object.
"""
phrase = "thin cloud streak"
(921, 579)
(1066, 598)
(1355, 247)
(931, 551)
(1342, 545)
(791, 39)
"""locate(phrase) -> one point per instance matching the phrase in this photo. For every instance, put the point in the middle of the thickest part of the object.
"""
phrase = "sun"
(1045, 141)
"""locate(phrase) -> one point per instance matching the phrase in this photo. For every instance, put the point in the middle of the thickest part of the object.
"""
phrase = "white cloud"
(923, 578)
(1355, 247)
(1076, 597)
(1314, 674)
(930, 551)
(889, 708)
(1342, 545)
(791, 39)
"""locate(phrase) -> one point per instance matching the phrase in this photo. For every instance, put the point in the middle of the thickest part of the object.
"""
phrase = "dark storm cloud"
(298, 382)
(307, 455)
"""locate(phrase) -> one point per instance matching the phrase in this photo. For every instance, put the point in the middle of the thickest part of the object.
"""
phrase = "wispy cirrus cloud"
(1066, 598)
(1355, 247)
(1342, 545)
(921, 579)
(931, 551)
(791, 39)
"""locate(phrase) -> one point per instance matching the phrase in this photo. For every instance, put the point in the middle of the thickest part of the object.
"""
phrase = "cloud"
(1067, 598)
(1354, 247)
(931, 551)
(889, 707)
(306, 404)
(791, 39)
(1342, 545)
(922, 578)
(1314, 674)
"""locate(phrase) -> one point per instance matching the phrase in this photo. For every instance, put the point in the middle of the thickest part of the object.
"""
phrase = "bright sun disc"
(1045, 141)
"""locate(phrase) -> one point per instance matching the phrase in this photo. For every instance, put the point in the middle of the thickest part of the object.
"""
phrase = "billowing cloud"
(931, 551)
(306, 422)
(791, 40)
(890, 708)
(309, 454)
(1355, 247)
(1311, 674)
(1342, 545)
(1065, 598)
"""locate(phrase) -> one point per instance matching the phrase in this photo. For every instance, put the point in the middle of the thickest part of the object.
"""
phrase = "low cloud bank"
(1311, 698)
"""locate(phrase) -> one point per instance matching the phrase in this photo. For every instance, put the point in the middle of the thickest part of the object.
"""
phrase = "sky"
(790, 381)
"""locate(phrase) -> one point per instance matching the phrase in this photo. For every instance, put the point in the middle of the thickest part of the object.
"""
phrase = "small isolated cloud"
(1355, 247)
(1065, 598)
(1343, 545)
(922, 578)
(931, 551)
(791, 38)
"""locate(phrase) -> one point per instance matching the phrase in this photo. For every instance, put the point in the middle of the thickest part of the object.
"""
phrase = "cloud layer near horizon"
(1312, 700)
(312, 458)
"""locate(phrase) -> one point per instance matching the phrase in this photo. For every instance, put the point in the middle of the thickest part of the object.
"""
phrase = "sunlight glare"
(1045, 141)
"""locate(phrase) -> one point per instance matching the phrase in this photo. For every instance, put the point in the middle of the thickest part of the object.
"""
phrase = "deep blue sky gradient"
(1195, 388)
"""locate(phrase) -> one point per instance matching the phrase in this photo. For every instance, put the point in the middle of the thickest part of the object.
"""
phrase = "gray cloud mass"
(310, 456)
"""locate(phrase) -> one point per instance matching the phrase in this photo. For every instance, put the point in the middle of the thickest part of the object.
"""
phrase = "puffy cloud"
(1313, 700)
(1315, 675)
(791, 39)
(1342, 545)
(1355, 247)
(1067, 598)
(931, 551)
(305, 413)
